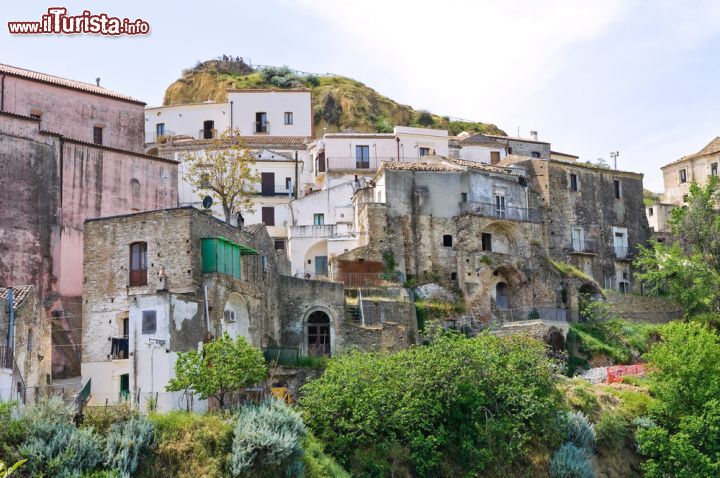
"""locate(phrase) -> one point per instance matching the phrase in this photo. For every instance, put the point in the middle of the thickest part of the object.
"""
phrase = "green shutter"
(236, 261)
(209, 254)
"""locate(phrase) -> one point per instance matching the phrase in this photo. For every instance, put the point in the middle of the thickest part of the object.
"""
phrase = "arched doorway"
(317, 334)
(501, 295)
(236, 317)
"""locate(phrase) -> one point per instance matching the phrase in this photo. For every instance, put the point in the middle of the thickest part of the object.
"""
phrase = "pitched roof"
(20, 293)
(64, 82)
(249, 140)
(254, 228)
(712, 147)
(431, 162)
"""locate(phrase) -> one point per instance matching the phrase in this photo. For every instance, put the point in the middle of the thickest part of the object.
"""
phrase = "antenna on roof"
(97, 80)
(614, 155)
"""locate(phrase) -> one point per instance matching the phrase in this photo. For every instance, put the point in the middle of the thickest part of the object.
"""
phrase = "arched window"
(318, 334)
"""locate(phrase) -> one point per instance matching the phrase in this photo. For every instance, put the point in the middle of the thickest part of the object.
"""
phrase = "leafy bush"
(49, 410)
(13, 431)
(478, 403)
(611, 429)
(126, 443)
(58, 449)
(569, 461)
(268, 439)
(188, 445)
(317, 463)
(580, 431)
(312, 80)
(101, 419)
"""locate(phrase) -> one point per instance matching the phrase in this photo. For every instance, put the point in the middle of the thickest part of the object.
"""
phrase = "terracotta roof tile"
(441, 163)
(712, 147)
(250, 140)
(56, 80)
(20, 293)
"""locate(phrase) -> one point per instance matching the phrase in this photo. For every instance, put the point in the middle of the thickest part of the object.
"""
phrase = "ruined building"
(162, 282)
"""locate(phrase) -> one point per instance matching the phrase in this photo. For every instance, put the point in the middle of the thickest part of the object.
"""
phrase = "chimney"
(533, 135)
(97, 80)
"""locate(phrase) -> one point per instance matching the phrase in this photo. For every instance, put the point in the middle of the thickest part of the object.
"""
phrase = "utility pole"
(614, 155)
(11, 324)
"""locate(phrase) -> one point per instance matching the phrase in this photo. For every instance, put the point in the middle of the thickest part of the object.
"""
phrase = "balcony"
(508, 213)
(119, 348)
(313, 231)
(583, 246)
(260, 127)
(623, 252)
(275, 190)
(155, 137)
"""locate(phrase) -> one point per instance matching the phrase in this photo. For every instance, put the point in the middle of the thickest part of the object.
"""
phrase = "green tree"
(684, 438)
(222, 366)
(224, 170)
(688, 267)
(456, 406)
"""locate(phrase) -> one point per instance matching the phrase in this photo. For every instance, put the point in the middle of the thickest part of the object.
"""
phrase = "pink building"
(69, 151)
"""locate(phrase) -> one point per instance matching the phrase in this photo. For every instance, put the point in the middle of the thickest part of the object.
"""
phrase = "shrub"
(49, 410)
(188, 445)
(268, 438)
(126, 443)
(611, 429)
(101, 419)
(480, 402)
(317, 463)
(58, 449)
(312, 80)
(13, 431)
(569, 461)
(580, 431)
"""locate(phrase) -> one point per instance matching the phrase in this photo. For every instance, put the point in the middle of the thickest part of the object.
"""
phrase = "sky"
(638, 77)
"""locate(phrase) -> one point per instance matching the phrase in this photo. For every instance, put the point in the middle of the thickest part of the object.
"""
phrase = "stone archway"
(318, 332)
(236, 317)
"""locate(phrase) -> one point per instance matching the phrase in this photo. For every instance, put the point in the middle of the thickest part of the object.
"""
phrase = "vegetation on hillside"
(650, 198)
(339, 103)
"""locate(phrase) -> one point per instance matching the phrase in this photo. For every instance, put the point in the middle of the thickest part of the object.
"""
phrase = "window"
(159, 130)
(261, 122)
(685, 198)
(573, 183)
(650, 211)
(149, 322)
(318, 219)
(486, 243)
(423, 151)
(578, 239)
(98, 135)
(453, 276)
(224, 256)
(267, 184)
(288, 183)
(683, 176)
(265, 263)
(620, 242)
(362, 157)
(463, 197)
(288, 117)
(30, 340)
(268, 215)
(447, 240)
(616, 187)
(279, 245)
(714, 169)
(509, 150)
(535, 154)
(208, 131)
(138, 263)
(125, 386)
(499, 206)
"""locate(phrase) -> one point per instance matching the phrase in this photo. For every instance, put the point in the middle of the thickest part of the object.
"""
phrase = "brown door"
(321, 163)
(494, 157)
(268, 184)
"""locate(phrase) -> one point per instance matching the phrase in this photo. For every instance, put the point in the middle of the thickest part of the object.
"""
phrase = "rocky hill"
(339, 103)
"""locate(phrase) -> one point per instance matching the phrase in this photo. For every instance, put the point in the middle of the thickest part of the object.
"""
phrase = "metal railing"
(154, 137)
(276, 190)
(356, 279)
(584, 245)
(321, 230)
(523, 314)
(509, 213)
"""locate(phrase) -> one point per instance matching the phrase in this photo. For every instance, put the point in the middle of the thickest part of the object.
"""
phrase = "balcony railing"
(275, 190)
(258, 127)
(522, 314)
(622, 252)
(119, 348)
(6, 357)
(323, 230)
(584, 246)
(509, 213)
(154, 137)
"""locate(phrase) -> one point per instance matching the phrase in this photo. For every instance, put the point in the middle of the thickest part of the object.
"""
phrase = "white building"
(253, 112)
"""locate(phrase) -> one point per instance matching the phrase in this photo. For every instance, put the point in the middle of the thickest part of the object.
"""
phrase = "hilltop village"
(112, 262)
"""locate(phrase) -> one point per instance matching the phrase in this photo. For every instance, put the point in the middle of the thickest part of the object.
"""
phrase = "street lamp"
(614, 155)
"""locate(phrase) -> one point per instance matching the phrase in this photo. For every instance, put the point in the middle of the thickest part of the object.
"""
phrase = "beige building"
(694, 168)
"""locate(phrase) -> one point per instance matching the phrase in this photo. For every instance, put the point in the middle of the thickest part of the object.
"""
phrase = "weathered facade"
(163, 282)
(68, 151)
(27, 362)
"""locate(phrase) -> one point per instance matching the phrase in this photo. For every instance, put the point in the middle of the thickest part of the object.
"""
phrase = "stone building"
(25, 355)
(594, 217)
(491, 149)
(68, 151)
(163, 282)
